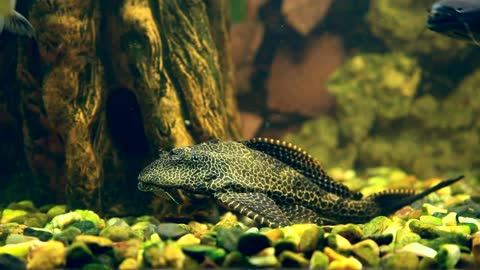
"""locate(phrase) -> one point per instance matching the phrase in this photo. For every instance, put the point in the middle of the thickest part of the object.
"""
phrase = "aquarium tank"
(314, 134)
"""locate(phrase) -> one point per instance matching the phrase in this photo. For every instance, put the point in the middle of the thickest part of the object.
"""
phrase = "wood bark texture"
(109, 82)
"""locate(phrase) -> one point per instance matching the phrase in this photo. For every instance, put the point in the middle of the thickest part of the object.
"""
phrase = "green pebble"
(67, 235)
(86, 226)
(264, 261)
(458, 239)
(23, 205)
(318, 261)
(235, 259)
(448, 255)
(15, 238)
(9, 214)
(431, 220)
(115, 221)
(377, 225)
(427, 263)
(227, 238)
(41, 234)
(32, 219)
(96, 266)
(311, 239)
(117, 233)
(351, 232)
(401, 260)
(56, 211)
(153, 255)
(367, 252)
(405, 237)
(217, 255)
(78, 254)
(170, 231)
(197, 252)
(291, 259)
(426, 230)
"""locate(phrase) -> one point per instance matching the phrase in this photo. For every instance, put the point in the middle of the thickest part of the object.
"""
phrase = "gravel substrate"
(439, 232)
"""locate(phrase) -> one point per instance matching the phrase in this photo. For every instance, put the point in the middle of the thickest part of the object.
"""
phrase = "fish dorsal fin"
(302, 162)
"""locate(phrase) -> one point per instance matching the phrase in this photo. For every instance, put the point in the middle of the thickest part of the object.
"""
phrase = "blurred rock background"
(358, 83)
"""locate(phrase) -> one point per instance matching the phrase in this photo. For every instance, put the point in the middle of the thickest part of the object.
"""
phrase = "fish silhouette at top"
(273, 182)
(13, 22)
(459, 19)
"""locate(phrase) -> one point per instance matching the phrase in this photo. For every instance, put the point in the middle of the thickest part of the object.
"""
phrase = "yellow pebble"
(188, 239)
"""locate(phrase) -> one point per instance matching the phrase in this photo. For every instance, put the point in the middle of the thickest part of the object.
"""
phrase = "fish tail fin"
(391, 200)
(17, 24)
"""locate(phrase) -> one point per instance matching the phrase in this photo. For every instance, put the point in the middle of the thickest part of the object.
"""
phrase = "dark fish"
(273, 182)
(459, 19)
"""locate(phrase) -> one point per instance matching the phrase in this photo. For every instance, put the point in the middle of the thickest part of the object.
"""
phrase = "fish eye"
(195, 157)
(459, 9)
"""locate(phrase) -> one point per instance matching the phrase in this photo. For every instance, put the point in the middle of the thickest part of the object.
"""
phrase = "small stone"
(290, 234)
(170, 231)
(367, 252)
(174, 256)
(126, 249)
(62, 221)
(153, 255)
(25, 205)
(48, 256)
(216, 255)
(430, 209)
(264, 261)
(301, 228)
(274, 235)
(78, 254)
(86, 227)
(31, 219)
(188, 239)
(91, 216)
(380, 239)
(115, 221)
(431, 220)
(41, 234)
(235, 259)
(405, 237)
(252, 230)
(333, 255)
(452, 238)
(466, 261)
(19, 250)
(208, 239)
(67, 235)
(117, 233)
(426, 230)
(15, 238)
(228, 220)
(349, 263)
(8, 261)
(56, 211)
(318, 261)
(351, 232)
(338, 243)
(377, 225)
(198, 227)
(96, 266)
(228, 238)
(450, 219)
(252, 243)
(197, 252)
(427, 263)
(9, 214)
(128, 263)
(420, 250)
(311, 239)
(448, 255)
(282, 245)
(97, 244)
(475, 248)
(401, 260)
(292, 259)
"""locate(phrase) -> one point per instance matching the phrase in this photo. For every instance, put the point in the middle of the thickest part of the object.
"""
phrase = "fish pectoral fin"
(300, 214)
(18, 25)
(256, 206)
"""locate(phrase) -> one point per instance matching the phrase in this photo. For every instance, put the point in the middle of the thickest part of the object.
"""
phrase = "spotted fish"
(273, 182)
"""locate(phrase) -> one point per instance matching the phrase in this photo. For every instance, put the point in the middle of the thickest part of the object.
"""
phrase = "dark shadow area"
(125, 122)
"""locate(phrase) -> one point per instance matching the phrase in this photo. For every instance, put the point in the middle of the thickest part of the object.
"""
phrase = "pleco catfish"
(271, 181)
(459, 19)
(12, 21)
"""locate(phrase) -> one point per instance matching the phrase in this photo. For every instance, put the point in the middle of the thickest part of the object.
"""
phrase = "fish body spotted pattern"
(273, 182)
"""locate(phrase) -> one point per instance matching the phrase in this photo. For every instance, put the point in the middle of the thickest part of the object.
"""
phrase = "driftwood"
(111, 81)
